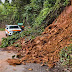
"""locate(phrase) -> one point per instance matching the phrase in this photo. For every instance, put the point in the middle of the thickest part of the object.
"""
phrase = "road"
(2, 34)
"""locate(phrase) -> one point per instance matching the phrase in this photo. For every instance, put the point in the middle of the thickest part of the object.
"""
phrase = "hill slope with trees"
(34, 13)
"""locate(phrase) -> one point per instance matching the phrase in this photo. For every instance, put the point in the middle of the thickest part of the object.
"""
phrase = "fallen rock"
(42, 65)
(14, 61)
(23, 63)
(30, 69)
(18, 55)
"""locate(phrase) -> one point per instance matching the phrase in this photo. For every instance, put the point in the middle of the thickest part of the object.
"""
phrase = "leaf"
(65, 54)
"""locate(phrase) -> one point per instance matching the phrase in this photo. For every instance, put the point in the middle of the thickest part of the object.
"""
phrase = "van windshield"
(13, 27)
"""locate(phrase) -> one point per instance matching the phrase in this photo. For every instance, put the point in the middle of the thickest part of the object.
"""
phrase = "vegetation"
(2, 29)
(66, 56)
(11, 39)
(30, 12)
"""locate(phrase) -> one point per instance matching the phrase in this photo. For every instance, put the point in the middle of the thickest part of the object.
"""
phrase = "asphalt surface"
(2, 34)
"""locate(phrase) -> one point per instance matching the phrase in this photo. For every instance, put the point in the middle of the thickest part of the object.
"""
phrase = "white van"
(10, 29)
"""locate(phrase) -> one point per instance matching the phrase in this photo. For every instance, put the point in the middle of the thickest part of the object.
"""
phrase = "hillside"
(45, 49)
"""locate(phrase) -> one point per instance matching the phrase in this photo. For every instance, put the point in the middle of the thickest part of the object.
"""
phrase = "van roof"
(11, 25)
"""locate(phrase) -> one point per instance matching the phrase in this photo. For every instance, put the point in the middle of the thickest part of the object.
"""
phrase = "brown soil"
(45, 49)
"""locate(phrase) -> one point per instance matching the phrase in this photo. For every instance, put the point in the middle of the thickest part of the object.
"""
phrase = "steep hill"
(45, 49)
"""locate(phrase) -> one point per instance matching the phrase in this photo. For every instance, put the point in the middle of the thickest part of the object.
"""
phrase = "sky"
(8, 0)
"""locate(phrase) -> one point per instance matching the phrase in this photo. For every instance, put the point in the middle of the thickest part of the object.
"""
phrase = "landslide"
(45, 49)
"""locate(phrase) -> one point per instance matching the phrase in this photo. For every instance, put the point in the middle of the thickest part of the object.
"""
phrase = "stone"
(14, 61)
(30, 69)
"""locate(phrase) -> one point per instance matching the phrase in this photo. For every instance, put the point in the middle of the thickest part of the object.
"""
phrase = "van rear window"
(13, 27)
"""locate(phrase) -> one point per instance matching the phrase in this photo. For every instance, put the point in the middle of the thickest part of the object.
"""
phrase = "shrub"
(66, 56)
(9, 40)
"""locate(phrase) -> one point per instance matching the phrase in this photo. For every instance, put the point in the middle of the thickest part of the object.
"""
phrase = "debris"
(18, 55)
(13, 56)
(14, 69)
(23, 63)
(30, 69)
(42, 65)
(14, 61)
(47, 69)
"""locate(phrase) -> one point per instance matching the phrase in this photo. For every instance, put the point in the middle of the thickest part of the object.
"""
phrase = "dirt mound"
(45, 49)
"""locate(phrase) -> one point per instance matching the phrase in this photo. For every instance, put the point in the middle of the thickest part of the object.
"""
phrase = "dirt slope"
(45, 49)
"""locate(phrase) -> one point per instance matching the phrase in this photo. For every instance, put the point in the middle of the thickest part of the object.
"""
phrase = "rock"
(14, 69)
(13, 56)
(18, 55)
(47, 69)
(23, 63)
(37, 41)
(30, 69)
(14, 61)
(41, 38)
(9, 51)
(10, 47)
(42, 65)
(51, 65)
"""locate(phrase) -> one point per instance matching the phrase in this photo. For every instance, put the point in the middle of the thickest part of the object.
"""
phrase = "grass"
(2, 29)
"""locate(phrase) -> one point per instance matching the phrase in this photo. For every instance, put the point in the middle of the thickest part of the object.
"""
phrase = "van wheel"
(6, 34)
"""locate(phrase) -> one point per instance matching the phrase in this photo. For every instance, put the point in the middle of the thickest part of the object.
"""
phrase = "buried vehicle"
(10, 29)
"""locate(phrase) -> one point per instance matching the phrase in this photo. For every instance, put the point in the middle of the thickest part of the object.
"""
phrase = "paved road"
(2, 34)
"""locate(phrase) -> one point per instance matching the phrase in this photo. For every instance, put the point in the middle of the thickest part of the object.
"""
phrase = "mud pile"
(45, 49)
